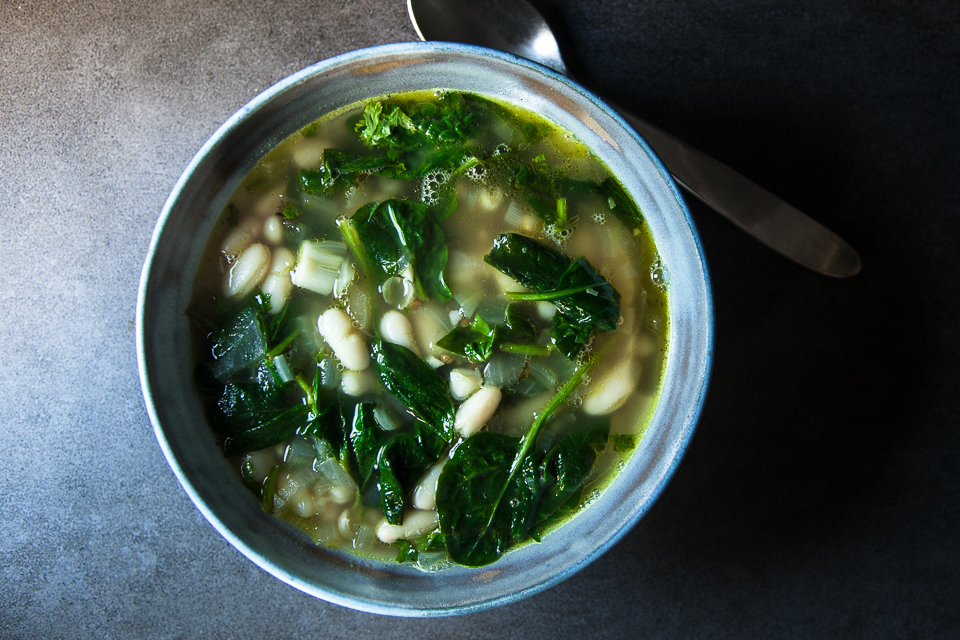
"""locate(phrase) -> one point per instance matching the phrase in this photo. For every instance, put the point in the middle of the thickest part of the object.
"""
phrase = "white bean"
(476, 411)
(249, 269)
(415, 524)
(273, 230)
(396, 328)
(489, 199)
(645, 345)
(345, 525)
(303, 504)
(277, 284)
(337, 330)
(270, 203)
(429, 326)
(425, 493)
(239, 238)
(464, 383)
(358, 383)
(306, 154)
(612, 389)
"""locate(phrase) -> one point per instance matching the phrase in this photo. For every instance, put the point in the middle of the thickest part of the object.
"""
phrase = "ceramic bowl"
(164, 342)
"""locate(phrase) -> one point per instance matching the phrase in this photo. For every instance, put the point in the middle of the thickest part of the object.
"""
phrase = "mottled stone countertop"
(820, 495)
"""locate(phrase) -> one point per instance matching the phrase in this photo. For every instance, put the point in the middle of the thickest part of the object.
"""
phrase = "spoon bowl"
(517, 27)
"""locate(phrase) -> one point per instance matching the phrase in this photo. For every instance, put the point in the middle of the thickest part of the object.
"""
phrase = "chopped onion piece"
(318, 266)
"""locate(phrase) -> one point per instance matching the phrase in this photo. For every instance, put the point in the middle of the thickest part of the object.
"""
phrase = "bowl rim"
(169, 209)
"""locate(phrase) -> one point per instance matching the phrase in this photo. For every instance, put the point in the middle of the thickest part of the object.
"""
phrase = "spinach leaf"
(338, 169)
(391, 491)
(484, 503)
(565, 470)
(477, 341)
(473, 342)
(394, 461)
(387, 236)
(621, 204)
(582, 296)
(410, 550)
(486, 493)
(244, 405)
(239, 345)
(568, 336)
(366, 439)
(417, 386)
(329, 426)
(271, 432)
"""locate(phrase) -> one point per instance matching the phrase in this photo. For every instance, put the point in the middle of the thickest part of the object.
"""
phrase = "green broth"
(393, 212)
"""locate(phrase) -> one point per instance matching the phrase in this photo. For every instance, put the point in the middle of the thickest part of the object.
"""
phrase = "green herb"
(290, 211)
(533, 132)
(444, 123)
(310, 131)
(378, 123)
(623, 442)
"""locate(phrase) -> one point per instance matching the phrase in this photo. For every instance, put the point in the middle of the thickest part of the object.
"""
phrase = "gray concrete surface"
(820, 495)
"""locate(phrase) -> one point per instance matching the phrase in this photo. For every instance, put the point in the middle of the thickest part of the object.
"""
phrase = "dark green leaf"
(470, 493)
(417, 386)
(477, 342)
(366, 439)
(565, 470)
(486, 493)
(240, 345)
(272, 432)
(569, 337)
(623, 205)
(388, 235)
(592, 305)
(391, 491)
(330, 427)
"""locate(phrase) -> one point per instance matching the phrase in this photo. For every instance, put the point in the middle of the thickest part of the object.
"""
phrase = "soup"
(430, 327)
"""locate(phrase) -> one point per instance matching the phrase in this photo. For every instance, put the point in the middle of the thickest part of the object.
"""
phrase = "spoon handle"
(751, 207)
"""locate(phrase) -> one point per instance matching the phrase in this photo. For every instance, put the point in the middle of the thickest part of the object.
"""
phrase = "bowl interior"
(163, 333)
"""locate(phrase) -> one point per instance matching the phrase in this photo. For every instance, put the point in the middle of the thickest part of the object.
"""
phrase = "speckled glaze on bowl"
(165, 361)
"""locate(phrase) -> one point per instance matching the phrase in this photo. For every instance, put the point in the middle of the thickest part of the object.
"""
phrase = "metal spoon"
(517, 27)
